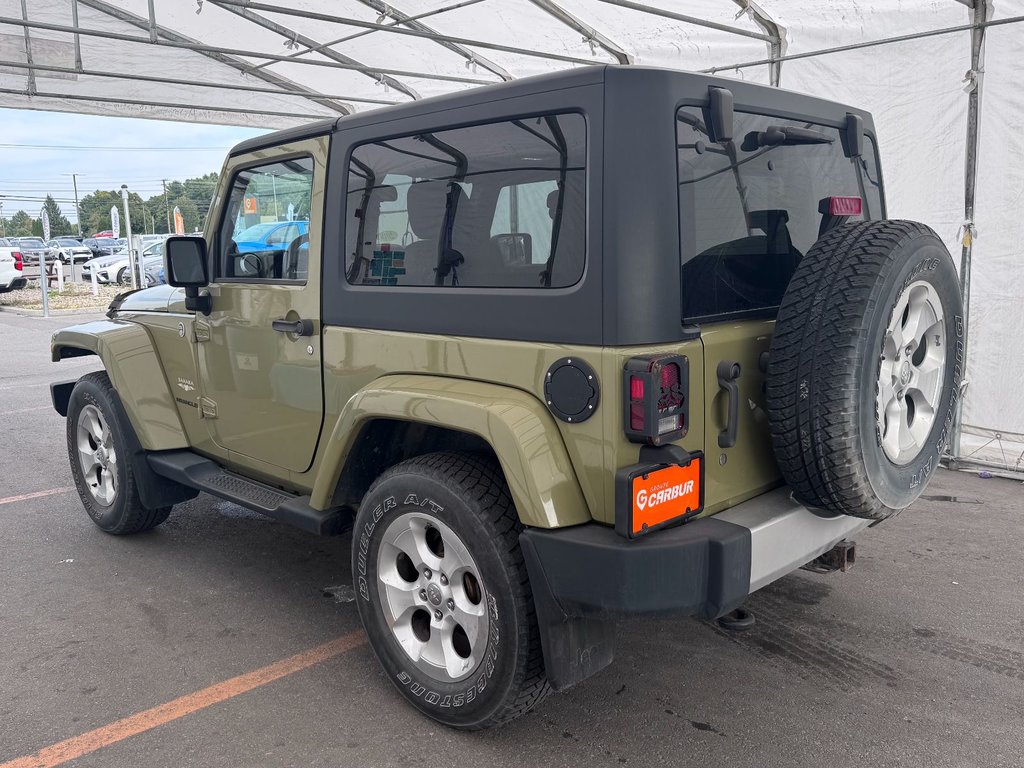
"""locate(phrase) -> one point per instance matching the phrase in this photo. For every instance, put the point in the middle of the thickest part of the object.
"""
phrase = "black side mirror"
(187, 267)
(720, 113)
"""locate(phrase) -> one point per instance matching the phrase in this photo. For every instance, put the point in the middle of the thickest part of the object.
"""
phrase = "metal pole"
(979, 16)
(43, 284)
(167, 205)
(78, 213)
(128, 232)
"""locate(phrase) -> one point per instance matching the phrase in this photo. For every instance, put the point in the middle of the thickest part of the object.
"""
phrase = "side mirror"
(186, 267)
(516, 249)
(720, 113)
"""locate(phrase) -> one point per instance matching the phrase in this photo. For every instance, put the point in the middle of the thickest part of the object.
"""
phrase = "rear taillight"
(18, 260)
(656, 409)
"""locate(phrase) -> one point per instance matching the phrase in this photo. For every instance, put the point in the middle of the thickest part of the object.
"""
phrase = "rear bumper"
(585, 576)
(704, 568)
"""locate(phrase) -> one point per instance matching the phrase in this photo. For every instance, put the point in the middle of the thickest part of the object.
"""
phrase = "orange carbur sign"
(250, 205)
(665, 494)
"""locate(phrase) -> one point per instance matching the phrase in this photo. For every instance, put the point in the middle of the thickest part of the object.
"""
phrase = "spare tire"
(865, 366)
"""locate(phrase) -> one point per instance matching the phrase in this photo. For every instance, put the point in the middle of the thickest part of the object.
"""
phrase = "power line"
(115, 149)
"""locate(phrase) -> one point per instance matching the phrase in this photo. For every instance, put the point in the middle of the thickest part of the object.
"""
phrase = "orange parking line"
(35, 495)
(77, 746)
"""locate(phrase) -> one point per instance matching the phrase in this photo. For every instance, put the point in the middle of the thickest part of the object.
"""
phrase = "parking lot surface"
(223, 638)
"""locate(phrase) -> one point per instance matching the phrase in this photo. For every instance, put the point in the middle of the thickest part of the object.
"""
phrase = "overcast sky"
(102, 160)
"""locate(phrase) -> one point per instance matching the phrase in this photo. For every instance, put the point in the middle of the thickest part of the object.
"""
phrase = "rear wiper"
(779, 135)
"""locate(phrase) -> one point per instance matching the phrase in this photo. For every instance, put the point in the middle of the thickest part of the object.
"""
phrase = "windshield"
(31, 242)
(68, 243)
(749, 208)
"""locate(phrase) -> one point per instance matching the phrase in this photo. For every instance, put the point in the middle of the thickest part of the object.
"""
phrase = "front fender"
(516, 425)
(130, 359)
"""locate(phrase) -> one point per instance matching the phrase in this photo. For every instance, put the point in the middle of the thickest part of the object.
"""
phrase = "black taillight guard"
(652, 394)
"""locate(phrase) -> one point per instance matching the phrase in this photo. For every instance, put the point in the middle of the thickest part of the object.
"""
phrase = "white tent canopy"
(273, 65)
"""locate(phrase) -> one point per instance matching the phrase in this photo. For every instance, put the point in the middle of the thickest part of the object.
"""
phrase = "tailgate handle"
(728, 372)
(298, 327)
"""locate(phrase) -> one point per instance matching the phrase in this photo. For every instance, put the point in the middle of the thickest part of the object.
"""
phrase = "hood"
(159, 298)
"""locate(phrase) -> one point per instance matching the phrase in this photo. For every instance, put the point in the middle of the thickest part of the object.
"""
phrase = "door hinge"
(207, 408)
(202, 330)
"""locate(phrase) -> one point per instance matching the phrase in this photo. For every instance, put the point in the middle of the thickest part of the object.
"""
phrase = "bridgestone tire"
(469, 496)
(825, 367)
(126, 514)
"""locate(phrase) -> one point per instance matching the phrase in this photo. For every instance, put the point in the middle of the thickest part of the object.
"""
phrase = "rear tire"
(865, 367)
(443, 591)
(98, 449)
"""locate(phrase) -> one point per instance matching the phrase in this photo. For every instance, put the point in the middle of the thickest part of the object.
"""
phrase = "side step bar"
(195, 471)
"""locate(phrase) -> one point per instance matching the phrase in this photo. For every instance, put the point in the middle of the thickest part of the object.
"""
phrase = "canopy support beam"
(28, 50)
(777, 32)
(408, 21)
(980, 13)
(590, 34)
(396, 30)
(178, 81)
(78, 39)
(309, 42)
(183, 41)
(687, 19)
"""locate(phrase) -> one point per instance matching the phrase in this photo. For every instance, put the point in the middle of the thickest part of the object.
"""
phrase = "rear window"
(749, 209)
(499, 205)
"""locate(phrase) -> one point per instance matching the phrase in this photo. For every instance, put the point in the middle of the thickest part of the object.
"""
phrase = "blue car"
(271, 236)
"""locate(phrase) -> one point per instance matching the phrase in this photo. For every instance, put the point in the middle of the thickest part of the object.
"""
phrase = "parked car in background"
(31, 248)
(269, 236)
(101, 246)
(11, 267)
(114, 268)
(104, 233)
(69, 250)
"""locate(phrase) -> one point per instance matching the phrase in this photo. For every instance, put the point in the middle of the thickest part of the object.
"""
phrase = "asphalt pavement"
(223, 638)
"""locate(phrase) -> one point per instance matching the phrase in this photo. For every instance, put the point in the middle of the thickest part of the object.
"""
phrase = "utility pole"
(78, 213)
(167, 205)
(3, 224)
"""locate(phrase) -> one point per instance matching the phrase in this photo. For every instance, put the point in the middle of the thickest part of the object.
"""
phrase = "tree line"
(153, 215)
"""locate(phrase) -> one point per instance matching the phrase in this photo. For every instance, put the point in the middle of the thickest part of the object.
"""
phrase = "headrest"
(426, 203)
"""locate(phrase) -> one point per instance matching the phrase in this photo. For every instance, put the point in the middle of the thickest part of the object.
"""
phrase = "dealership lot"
(913, 658)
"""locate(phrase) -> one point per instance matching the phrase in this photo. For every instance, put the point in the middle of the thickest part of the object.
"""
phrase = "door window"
(268, 237)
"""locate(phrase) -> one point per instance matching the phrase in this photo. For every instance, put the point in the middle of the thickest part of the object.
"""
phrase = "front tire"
(443, 591)
(98, 448)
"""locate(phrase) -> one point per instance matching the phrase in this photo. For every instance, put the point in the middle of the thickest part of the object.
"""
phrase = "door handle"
(728, 371)
(298, 327)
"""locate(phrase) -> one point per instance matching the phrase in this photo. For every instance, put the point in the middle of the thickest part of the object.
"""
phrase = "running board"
(194, 471)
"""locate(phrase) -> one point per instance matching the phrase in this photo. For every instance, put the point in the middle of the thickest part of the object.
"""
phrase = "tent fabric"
(916, 90)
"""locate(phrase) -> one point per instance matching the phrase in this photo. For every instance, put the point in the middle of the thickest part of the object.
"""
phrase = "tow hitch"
(840, 558)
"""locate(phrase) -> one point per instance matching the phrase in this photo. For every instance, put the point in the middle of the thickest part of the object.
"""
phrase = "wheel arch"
(130, 360)
(432, 413)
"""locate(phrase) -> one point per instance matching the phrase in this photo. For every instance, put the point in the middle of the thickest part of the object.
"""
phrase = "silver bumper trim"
(785, 535)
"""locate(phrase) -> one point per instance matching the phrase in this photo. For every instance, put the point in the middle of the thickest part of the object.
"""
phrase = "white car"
(69, 250)
(11, 267)
(114, 268)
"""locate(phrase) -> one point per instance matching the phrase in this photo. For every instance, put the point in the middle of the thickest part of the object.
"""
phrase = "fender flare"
(129, 357)
(540, 475)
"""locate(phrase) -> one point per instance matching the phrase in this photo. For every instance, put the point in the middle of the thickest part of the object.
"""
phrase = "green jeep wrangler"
(607, 343)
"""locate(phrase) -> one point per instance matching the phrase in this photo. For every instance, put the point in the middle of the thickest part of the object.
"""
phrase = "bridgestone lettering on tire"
(443, 592)
(865, 367)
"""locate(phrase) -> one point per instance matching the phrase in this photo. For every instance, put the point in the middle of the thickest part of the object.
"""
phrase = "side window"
(268, 213)
(499, 205)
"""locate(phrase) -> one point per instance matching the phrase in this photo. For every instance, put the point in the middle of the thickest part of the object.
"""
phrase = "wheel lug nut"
(437, 615)
(444, 580)
(426, 573)
(451, 604)
(423, 594)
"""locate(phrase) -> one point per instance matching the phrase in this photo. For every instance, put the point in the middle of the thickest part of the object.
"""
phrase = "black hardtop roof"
(569, 78)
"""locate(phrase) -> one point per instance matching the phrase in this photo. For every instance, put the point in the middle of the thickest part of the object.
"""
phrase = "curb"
(53, 312)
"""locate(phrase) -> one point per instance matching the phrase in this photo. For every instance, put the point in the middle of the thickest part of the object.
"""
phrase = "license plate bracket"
(650, 497)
